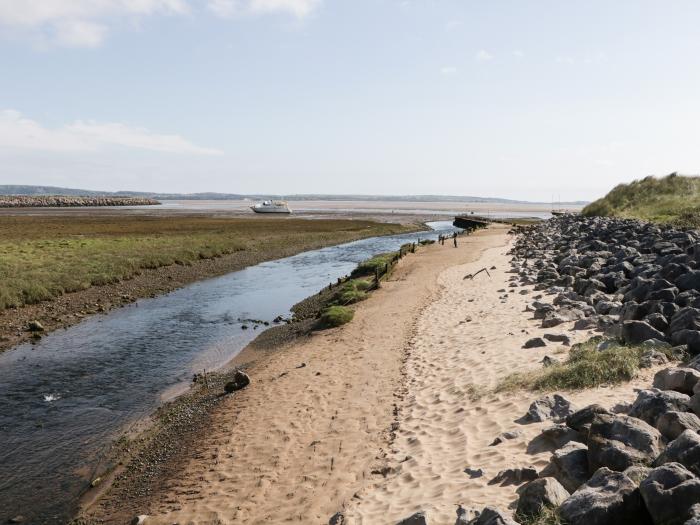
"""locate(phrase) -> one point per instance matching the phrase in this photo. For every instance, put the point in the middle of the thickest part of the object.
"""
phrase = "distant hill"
(671, 199)
(9, 189)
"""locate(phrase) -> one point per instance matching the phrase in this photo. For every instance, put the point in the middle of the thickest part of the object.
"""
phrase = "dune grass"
(42, 257)
(378, 262)
(585, 367)
(547, 516)
(337, 315)
(353, 291)
(674, 199)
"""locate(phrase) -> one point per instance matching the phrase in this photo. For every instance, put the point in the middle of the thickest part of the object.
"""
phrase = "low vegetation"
(353, 291)
(546, 516)
(585, 367)
(378, 262)
(42, 257)
(674, 199)
(334, 316)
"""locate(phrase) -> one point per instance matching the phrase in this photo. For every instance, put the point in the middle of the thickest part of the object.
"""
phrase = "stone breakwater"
(633, 463)
(63, 201)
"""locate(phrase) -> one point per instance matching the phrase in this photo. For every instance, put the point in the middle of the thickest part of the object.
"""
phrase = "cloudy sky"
(493, 98)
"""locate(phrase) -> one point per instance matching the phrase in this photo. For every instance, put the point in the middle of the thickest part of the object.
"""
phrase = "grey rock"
(669, 492)
(685, 449)
(474, 473)
(540, 493)
(681, 380)
(608, 498)
(690, 338)
(673, 424)
(650, 404)
(554, 407)
(337, 519)
(569, 465)
(514, 476)
(239, 381)
(636, 332)
(493, 516)
(535, 342)
(505, 436)
(581, 419)
(619, 442)
(558, 338)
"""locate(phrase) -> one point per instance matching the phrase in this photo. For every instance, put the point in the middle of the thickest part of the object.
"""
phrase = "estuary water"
(66, 398)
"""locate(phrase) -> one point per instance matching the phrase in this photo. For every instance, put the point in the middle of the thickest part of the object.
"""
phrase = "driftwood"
(471, 276)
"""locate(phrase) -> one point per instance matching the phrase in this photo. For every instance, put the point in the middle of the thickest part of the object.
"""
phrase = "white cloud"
(20, 133)
(518, 53)
(448, 70)
(86, 23)
(483, 56)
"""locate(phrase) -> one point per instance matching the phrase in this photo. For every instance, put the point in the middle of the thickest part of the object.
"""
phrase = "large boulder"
(650, 404)
(569, 465)
(689, 280)
(563, 315)
(673, 424)
(690, 338)
(681, 380)
(554, 407)
(685, 449)
(542, 492)
(669, 492)
(636, 332)
(608, 498)
(581, 419)
(619, 442)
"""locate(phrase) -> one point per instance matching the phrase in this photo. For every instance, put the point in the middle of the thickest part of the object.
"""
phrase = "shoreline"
(72, 308)
(260, 362)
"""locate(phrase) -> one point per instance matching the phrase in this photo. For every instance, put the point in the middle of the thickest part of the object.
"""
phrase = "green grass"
(378, 262)
(42, 257)
(674, 199)
(334, 316)
(585, 367)
(546, 516)
(353, 291)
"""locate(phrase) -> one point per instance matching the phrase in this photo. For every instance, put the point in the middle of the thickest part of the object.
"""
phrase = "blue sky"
(516, 99)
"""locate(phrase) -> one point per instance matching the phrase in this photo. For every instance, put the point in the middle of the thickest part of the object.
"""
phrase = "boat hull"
(283, 211)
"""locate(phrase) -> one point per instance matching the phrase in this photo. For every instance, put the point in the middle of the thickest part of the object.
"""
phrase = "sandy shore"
(379, 419)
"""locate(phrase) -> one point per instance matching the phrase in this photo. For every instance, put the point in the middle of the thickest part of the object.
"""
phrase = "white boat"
(271, 207)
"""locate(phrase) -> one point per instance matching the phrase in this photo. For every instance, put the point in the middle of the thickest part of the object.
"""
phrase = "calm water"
(64, 399)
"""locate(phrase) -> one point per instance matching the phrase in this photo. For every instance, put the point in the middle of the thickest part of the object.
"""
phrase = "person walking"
(454, 238)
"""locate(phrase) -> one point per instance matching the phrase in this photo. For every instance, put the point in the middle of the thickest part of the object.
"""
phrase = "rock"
(608, 498)
(560, 435)
(558, 338)
(689, 281)
(474, 473)
(636, 332)
(652, 357)
(681, 380)
(415, 519)
(35, 326)
(673, 424)
(465, 516)
(554, 407)
(685, 449)
(690, 338)
(548, 361)
(539, 493)
(337, 519)
(493, 516)
(637, 473)
(239, 381)
(139, 520)
(505, 436)
(514, 476)
(569, 465)
(17, 519)
(650, 404)
(618, 442)
(669, 492)
(535, 342)
(581, 419)
(694, 403)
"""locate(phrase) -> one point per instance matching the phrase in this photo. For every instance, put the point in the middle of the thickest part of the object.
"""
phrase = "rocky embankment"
(65, 201)
(636, 284)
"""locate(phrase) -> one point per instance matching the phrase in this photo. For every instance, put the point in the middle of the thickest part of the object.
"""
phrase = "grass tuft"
(586, 367)
(547, 516)
(334, 316)
(378, 262)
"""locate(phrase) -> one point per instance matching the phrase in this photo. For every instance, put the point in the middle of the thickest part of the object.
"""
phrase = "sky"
(540, 100)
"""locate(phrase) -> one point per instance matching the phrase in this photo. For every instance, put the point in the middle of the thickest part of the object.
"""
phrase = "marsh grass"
(674, 199)
(337, 315)
(353, 291)
(585, 367)
(43, 257)
(378, 262)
